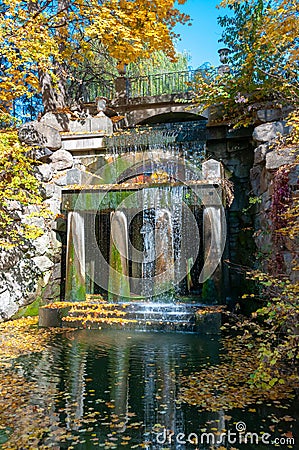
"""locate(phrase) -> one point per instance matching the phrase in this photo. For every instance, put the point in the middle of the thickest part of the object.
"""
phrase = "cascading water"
(148, 243)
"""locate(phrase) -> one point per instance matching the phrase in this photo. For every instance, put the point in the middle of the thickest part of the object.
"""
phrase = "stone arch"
(172, 112)
(172, 117)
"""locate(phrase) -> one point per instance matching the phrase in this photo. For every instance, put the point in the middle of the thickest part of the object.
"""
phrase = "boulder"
(279, 157)
(43, 263)
(59, 121)
(255, 179)
(294, 176)
(61, 160)
(268, 131)
(41, 244)
(45, 171)
(38, 133)
(260, 153)
(41, 154)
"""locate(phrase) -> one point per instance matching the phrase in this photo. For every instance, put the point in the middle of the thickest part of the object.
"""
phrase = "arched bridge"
(148, 99)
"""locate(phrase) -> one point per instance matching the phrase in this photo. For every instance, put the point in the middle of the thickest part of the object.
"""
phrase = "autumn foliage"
(42, 41)
(262, 38)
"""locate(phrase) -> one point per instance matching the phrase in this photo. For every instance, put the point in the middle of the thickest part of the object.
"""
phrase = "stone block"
(269, 115)
(279, 157)
(212, 170)
(61, 181)
(45, 171)
(49, 190)
(255, 179)
(61, 160)
(54, 204)
(37, 133)
(99, 124)
(294, 176)
(84, 143)
(43, 263)
(41, 244)
(51, 317)
(260, 153)
(59, 121)
(76, 176)
(268, 131)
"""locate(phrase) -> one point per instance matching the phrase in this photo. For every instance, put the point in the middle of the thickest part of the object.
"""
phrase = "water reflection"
(116, 388)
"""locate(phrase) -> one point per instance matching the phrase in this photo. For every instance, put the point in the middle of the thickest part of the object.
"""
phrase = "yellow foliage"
(36, 38)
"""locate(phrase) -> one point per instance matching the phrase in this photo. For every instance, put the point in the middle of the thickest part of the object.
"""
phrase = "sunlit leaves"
(262, 37)
(18, 188)
(54, 37)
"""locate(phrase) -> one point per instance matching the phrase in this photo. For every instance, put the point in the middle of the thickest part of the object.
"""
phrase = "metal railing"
(89, 91)
(162, 83)
(143, 86)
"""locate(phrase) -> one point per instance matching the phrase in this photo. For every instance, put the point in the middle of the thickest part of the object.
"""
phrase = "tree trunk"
(54, 96)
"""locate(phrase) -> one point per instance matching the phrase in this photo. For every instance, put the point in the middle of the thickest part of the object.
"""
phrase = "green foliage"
(158, 63)
(18, 188)
(262, 37)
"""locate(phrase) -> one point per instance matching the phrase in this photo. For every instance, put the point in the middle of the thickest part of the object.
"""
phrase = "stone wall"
(33, 271)
(274, 254)
(234, 149)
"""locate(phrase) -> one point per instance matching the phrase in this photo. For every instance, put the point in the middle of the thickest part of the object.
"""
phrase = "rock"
(46, 172)
(13, 205)
(268, 131)
(35, 221)
(294, 176)
(43, 263)
(279, 157)
(61, 160)
(42, 154)
(54, 205)
(41, 244)
(59, 121)
(49, 190)
(255, 179)
(18, 285)
(38, 133)
(269, 115)
(7, 306)
(260, 153)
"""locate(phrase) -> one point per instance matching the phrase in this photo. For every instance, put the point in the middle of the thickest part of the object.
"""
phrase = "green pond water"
(115, 389)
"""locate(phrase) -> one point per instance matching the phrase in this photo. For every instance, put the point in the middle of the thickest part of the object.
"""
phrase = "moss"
(28, 310)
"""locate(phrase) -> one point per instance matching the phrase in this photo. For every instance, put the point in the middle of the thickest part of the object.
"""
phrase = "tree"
(18, 188)
(42, 40)
(262, 37)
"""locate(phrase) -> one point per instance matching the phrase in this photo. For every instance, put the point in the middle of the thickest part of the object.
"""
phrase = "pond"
(116, 389)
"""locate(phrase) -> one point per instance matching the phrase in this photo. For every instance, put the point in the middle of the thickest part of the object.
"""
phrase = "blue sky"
(201, 39)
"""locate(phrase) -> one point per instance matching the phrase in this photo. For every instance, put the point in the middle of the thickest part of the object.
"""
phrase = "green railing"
(143, 86)
(162, 83)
